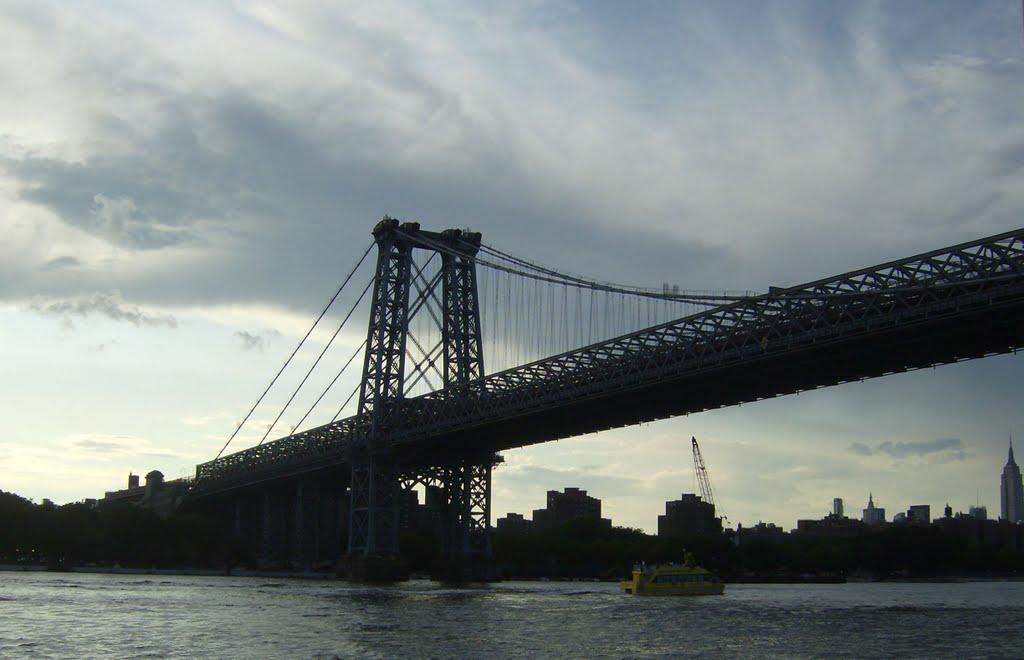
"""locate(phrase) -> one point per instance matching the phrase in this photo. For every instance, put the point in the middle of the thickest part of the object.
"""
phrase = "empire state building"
(1011, 492)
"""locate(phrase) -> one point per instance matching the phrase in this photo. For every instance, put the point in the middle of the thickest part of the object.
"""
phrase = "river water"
(73, 615)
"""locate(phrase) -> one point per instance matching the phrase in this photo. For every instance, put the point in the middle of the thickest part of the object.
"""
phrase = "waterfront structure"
(690, 515)
(571, 504)
(873, 515)
(1011, 493)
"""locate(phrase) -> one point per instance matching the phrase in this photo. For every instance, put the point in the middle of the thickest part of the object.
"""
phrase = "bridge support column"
(373, 522)
(465, 523)
(265, 556)
(373, 553)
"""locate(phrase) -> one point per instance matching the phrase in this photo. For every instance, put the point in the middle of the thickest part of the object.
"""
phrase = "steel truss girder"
(945, 284)
(939, 283)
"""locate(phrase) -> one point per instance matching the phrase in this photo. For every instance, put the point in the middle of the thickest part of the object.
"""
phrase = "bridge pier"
(303, 525)
(273, 532)
(466, 534)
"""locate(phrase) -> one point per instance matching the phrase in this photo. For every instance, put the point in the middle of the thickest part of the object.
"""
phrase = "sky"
(181, 191)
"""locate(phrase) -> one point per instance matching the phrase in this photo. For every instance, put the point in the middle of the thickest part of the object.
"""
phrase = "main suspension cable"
(288, 361)
(533, 271)
(331, 385)
(317, 361)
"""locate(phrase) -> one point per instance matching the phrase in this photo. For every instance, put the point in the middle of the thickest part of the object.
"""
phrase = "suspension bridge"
(569, 356)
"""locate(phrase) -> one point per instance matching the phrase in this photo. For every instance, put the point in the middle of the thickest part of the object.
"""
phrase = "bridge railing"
(320, 443)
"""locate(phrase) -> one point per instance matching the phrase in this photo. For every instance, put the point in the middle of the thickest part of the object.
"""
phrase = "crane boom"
(702, 477)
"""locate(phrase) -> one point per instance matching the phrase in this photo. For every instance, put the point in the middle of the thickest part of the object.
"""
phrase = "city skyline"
(180, 192)
(871, 502)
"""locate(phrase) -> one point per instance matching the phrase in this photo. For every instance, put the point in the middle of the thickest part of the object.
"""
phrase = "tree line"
(110, 533)
(131, 536)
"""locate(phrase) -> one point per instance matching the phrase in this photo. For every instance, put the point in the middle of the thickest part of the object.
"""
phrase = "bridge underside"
(935, 341)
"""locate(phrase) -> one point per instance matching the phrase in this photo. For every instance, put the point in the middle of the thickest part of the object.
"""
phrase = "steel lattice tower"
(464, 482)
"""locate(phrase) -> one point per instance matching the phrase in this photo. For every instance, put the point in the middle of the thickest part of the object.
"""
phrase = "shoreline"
(201, 572)
(330, 575)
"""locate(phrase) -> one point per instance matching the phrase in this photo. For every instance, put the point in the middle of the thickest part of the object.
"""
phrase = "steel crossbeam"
(943, 306)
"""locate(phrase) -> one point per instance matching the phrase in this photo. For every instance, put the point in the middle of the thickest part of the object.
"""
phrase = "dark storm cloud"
(303, 210)
(164, 186)
(108, 305)
(950, 448)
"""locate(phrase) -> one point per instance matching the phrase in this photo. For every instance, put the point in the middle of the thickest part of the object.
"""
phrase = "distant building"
(830, 525)
(873, 515)
(689, 516)
(837, 507)
(514, 524)
(1001, 534)
(760, 532)
(920, 514)
(566, 506)
(1011, 493)
(161, 497)
(978, 512)
(133, 493)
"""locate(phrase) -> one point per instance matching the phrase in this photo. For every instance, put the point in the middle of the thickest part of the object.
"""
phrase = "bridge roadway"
(945, 306)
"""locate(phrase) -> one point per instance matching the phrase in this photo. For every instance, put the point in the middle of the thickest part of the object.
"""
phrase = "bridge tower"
(464, 482)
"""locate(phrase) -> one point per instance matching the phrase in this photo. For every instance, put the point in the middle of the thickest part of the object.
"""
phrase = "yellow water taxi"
(686, 579)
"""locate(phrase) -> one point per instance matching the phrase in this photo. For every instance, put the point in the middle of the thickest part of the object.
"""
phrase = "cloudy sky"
(181, 191)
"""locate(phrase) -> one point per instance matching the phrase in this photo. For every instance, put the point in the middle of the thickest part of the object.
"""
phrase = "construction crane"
(702, 479)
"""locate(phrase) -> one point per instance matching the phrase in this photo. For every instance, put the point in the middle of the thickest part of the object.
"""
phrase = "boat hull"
(710, 589)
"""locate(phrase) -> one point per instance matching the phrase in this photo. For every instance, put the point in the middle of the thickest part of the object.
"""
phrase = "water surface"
(65, 615)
